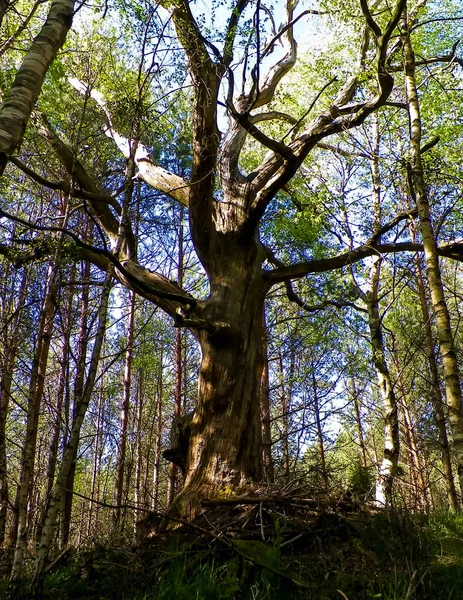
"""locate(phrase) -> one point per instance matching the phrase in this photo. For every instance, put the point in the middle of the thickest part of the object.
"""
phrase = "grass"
(358, 557)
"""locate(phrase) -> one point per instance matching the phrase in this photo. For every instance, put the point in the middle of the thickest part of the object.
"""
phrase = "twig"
(222, 540)
(261, 522)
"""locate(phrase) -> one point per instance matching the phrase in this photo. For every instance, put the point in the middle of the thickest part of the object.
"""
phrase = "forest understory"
(298, 546)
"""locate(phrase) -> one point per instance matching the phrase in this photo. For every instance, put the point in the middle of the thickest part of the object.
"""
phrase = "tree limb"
(65, 187)
(168, 183)
(453, 250)
(274, 173)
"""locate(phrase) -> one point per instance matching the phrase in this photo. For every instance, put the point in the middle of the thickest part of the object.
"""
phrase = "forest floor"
(286, 548)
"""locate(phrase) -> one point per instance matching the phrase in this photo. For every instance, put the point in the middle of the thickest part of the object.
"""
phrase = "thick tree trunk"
(225, 449)
(439, 304)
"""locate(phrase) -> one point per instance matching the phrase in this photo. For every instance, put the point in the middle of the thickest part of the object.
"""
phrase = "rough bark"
(439, 304)
(225, 449)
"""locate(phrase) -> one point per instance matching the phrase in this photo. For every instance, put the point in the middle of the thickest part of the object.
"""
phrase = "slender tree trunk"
(10, 344)
(70, 452)
(422, 497)
(121, 466)
(417, 460)
(94, 486)
(391, 422)
(35, 393)
(124, 415)
(284, 404)
(321, 444)
(435, 392)
(137, 496)
(265, 412)
(157, 425)
(60, 395)
(178, 362)
(67, 498)
(358, 423)
(390, 459)
(439, 303)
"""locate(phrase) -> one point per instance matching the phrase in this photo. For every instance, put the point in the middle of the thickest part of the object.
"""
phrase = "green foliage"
(387, 557)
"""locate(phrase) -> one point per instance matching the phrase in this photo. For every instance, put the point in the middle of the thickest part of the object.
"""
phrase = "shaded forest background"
(353, 398)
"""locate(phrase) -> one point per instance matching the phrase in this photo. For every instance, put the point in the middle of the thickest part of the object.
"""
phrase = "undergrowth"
(331, 556)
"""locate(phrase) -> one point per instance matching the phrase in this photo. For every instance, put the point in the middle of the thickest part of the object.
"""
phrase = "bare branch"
(65, 187)
(245, 122)
(272, 115)
(155, 287)
(405, 214)
(274, 173)
(231, 31)
(74, 167)
(172, 185)
(453, 250)
(369, 19)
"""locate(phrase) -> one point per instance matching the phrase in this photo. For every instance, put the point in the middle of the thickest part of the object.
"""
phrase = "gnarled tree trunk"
(225, 448)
